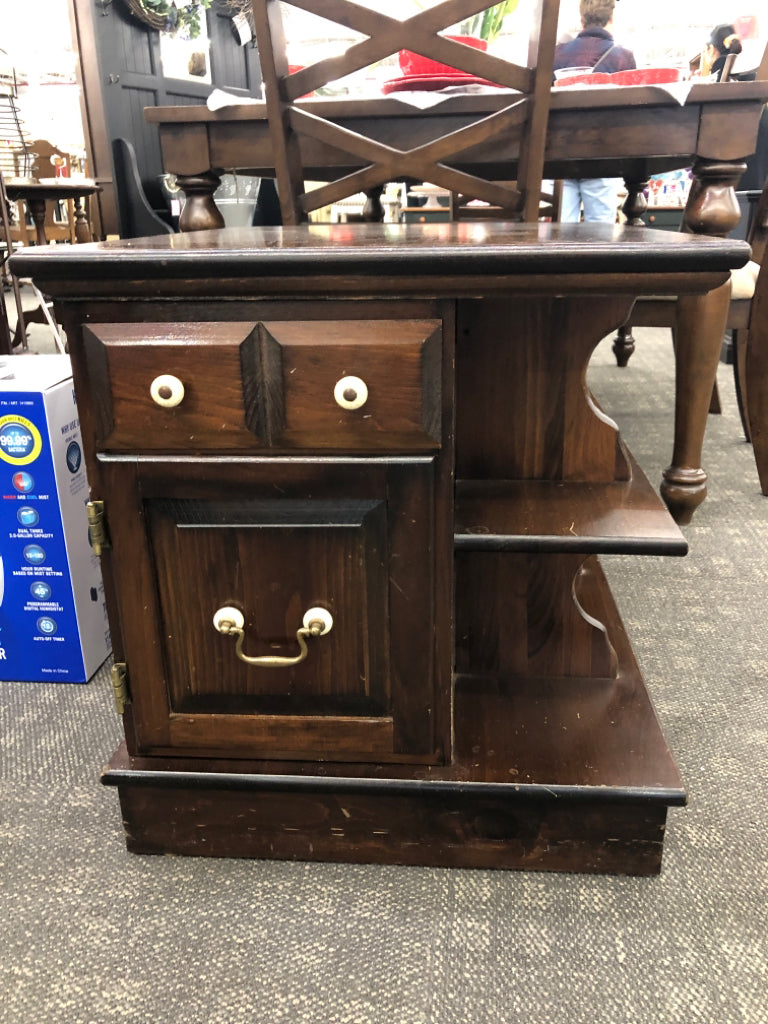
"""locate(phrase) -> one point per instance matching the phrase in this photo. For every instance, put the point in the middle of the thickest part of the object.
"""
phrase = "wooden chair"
(527, 113)
(656, 311)
(136, 217)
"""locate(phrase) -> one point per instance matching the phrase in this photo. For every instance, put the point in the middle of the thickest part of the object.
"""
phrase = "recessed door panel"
(275, 560)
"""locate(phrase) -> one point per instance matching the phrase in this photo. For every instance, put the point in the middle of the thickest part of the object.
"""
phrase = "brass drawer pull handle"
(230, 622)
(351, 393)
(167, 391)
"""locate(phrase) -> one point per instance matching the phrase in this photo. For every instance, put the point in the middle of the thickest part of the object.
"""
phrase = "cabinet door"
(273, 539)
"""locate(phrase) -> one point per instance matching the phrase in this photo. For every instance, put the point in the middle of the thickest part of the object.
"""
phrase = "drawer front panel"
(213, 369)
(352, 386)
(362, 385)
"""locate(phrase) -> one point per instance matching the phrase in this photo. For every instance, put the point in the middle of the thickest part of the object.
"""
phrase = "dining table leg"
(82, 221)
(712, 209)
(635, 205)
(36, 207)
(200, 212)
(698, 339)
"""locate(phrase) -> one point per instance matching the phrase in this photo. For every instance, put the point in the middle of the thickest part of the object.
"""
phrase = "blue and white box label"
(53, 623)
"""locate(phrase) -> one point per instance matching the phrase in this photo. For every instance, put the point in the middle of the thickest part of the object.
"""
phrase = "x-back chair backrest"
(378, 162)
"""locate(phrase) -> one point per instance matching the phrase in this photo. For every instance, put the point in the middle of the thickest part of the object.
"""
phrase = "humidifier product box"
(53, 621)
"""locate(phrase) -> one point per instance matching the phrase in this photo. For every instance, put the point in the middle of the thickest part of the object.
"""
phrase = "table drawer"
(177, 387)
(361, 385)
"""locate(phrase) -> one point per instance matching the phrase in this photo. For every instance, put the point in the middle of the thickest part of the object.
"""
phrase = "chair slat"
(527, 114)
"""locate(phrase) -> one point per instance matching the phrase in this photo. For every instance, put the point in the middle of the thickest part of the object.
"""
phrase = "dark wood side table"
(37, 194)
(350, 493)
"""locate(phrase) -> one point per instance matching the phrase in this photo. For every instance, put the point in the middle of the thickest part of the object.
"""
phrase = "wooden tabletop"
(586, 98)
(600, 130)
(60, 188)
(399, 250)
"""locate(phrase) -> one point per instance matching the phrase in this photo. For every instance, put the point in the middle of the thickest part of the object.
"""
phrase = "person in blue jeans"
(593, 47)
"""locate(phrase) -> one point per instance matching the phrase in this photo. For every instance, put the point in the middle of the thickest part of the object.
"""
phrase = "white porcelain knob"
(321, 616)
(350, 393)
(227, 618)
(167, 390)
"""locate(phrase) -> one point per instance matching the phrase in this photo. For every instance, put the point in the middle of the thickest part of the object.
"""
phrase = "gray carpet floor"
(92, 935)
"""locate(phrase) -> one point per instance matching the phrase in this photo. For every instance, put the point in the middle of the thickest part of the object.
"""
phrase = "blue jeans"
(599, 197)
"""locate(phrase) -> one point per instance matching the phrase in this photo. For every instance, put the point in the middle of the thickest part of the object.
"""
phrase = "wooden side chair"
(376, 161)
(751, 360)
(745, 316)
(135, 215)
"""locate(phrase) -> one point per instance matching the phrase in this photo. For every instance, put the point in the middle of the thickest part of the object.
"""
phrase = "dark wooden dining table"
(630, 132)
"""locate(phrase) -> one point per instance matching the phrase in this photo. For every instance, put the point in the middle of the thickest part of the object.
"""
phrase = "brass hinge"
(97, 527)
(120, 686)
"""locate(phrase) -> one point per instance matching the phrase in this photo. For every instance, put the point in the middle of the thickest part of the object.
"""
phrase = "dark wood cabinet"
(312, 522)
(352, 490)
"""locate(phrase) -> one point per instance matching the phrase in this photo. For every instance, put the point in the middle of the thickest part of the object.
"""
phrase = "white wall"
(37, 40)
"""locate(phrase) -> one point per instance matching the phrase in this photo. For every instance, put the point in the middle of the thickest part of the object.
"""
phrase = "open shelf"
(619, 517)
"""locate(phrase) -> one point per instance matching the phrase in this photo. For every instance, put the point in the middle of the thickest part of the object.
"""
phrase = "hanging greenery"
(166, 16)
(487, 24)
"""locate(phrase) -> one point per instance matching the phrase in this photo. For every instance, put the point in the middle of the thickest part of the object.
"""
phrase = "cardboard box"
(53, 620)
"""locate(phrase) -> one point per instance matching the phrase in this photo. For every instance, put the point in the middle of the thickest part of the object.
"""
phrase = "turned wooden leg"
(82, 224)
(200, 212)
(37, 212)
(699, 334)
(635, 204)
(623, 345)
(633, 209)
(712, 209)
(373, 210)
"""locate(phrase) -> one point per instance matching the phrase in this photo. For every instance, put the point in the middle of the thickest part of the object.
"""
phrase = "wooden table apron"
(629, 132)
(541, 748)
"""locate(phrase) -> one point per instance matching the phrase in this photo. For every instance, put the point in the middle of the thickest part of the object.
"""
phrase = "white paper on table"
(677, 90)
(220, 99)
(430, 98)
